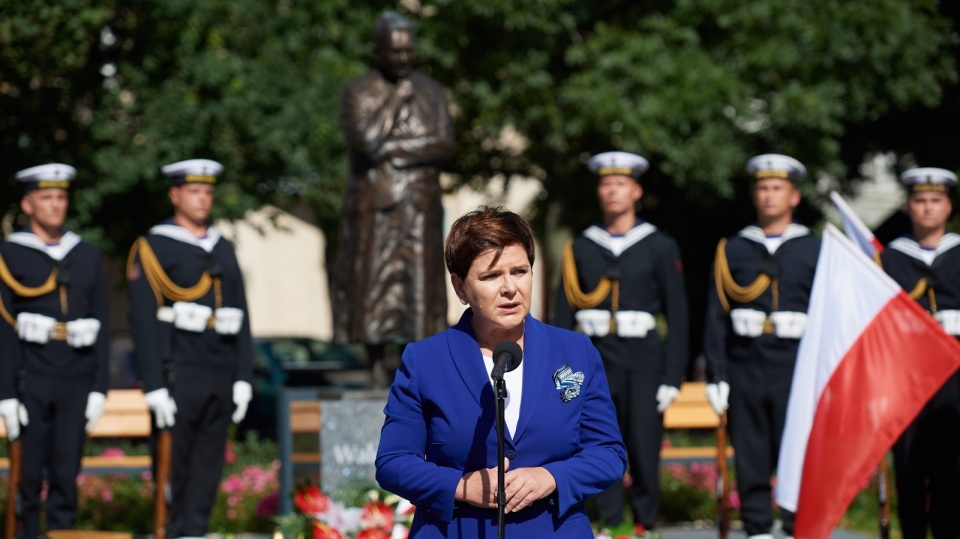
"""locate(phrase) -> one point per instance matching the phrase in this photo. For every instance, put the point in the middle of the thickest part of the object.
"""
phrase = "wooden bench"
(691, 410)
(125, 415)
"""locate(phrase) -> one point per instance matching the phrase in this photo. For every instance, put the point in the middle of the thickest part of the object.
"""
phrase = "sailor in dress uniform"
(756, 315)
(618, 277)
(191, 330)
(926, 263)
(54, 346)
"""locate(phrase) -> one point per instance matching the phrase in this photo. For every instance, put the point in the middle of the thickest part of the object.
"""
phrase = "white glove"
(191, 316)
(94, 410)
(82, 332)
(242, 393)
(162, 406)
(665, 395)
(718, 395)
(35, 327)
(14, 414)
(228, 320)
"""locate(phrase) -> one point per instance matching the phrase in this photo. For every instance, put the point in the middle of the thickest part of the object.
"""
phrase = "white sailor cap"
(51, 176)
(193, 171)
(619, 163)
(774, 165)
(925, 179)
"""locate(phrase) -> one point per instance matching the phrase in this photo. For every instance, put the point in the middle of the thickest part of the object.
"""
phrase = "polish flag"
(868, 362)
(854, 227)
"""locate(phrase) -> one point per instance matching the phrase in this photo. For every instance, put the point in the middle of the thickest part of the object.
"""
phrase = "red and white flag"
(869, 360)
(854, 227)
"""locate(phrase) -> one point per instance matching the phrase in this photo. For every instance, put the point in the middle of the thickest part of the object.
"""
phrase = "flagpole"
(723, 486)
(883, 497)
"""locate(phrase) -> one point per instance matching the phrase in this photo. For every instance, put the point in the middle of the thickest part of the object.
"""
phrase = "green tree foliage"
(697, 85)
(120, 87)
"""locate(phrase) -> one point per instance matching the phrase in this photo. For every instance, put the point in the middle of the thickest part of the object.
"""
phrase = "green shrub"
(115, 502)
(686, 492)
(246, 500)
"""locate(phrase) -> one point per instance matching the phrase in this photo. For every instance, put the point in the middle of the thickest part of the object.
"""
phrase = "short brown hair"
(484, 229)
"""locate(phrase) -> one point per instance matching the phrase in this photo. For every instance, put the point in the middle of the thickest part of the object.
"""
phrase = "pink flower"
(734, 500)
(113, 452)
(232, 484)
(675, 468)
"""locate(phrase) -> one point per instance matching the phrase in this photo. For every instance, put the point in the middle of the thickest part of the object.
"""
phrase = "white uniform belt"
(753, 323)
(949, 320)
(630, 324)
(41, 329)
(198, 318)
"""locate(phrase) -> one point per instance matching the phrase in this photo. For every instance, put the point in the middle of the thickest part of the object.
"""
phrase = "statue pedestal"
(346, 426)
(350, 423)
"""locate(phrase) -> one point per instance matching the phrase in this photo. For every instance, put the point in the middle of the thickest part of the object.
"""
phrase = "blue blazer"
(440, 424)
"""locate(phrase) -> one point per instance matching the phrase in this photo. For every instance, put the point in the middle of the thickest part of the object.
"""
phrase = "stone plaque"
(349, 436)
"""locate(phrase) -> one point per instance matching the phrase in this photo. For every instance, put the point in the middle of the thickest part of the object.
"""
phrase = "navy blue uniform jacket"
(440, 425)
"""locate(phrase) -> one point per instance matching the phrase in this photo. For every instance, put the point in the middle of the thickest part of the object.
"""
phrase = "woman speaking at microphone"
(438, 447)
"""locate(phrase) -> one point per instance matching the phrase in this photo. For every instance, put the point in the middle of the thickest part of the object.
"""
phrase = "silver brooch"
(568, 382)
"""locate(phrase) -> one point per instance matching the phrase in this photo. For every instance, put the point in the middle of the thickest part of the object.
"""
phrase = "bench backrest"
(125, 415)
(691, 409)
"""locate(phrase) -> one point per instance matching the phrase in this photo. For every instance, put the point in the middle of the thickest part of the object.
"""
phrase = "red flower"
(310, 501)
(377, 515)
(228, 455)
(373, 533)
(322, 531)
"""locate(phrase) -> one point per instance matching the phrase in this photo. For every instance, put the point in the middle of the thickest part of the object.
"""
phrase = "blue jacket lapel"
(469, 362)
(535, 350)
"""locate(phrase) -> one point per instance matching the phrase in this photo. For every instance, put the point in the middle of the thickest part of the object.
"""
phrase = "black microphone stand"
(501, 391)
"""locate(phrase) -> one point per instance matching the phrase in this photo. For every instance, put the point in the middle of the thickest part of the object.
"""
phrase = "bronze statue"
(389, 282)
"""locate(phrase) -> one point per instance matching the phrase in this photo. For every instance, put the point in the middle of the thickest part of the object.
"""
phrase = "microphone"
(506, 357)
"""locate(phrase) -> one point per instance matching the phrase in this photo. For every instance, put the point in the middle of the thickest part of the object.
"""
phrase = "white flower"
(345, 519)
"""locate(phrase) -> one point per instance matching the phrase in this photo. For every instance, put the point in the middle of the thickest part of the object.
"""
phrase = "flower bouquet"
(375, 514)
